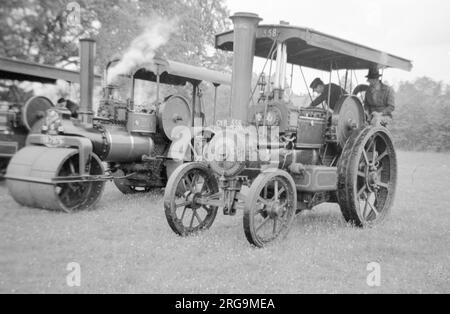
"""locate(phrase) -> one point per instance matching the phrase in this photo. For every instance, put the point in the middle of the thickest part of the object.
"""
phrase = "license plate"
(53, 140)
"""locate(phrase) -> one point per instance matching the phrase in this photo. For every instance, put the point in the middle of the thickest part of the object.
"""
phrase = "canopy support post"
(158, 79)
(133, 84)
(292, 79)
(329, 94)
(329, 88)
(306, 84)
(194, 96)
(215, 103)
(346, 78)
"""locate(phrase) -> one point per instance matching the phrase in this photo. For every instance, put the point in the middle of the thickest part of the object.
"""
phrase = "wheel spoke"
(184, 185)
(372, 142)
(366, 159)
(187, 182)
(379, 171)
(361, 174)
(264, 201)
(384, 154)
(204, 187)
(374, 157)
(374, 210)
(282, 190)
(276, 190)
(72, 168)
(275, 226)
(263, 223)
(361, 191)
(182, 215)
(197, 216)
(194, 182)
(181, 204)
(191, 224)
(259, 211)
(383, 185)
(365, 206)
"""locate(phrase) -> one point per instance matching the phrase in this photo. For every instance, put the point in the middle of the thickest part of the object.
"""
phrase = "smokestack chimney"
(87, 58)
(245, 26)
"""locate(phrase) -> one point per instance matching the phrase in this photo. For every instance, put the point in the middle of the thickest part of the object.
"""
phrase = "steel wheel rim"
(75, 196)
(375, 178)
(188, 215)
(271, 211)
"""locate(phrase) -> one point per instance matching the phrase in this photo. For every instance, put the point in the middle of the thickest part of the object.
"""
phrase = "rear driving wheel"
(367, 177)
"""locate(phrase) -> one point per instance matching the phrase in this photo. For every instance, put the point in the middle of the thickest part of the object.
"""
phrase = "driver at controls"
(379, 101)
(323, 90)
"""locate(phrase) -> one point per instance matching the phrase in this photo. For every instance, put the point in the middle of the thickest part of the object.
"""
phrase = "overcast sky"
(418, 30)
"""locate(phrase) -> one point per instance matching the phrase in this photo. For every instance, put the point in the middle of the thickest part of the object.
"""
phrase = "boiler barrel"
(126, 147)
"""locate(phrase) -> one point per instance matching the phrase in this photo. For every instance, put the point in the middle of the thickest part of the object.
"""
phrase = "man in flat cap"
(320, 88)
(380, 100)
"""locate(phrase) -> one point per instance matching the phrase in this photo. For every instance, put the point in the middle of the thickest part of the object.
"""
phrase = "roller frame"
(83, 144)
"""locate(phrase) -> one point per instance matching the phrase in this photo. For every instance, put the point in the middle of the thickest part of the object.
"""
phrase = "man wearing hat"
(380, 99)
(319, 87)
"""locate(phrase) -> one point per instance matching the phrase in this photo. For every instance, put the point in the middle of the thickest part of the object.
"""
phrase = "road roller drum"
(33, 179)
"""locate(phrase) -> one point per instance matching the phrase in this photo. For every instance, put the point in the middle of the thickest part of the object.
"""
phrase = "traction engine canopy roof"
(313, 49)
(178, 74)
(20, 70)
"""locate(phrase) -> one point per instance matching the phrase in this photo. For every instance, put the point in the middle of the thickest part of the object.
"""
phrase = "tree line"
(37, 30)
(421, 116)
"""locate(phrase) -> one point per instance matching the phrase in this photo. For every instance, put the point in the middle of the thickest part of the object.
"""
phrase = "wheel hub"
(372, 177)
(275, 210)
(191, 199)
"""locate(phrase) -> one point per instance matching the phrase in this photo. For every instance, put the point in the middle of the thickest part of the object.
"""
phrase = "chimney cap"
(246, 15)
(87, 39)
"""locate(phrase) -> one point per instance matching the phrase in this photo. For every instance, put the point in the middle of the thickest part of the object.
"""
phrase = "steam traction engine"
(275, 160)
(63, 168)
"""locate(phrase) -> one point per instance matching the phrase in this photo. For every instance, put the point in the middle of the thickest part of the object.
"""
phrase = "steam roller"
(42, 164)
(65, 166)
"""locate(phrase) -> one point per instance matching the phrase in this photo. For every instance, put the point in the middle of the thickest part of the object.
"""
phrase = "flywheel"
(34, 110)
(348, 116)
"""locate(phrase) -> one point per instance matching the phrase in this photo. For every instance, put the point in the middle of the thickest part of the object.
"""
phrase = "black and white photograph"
(225, 154)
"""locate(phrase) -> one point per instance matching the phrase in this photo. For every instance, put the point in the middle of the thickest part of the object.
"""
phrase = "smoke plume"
(143, 47)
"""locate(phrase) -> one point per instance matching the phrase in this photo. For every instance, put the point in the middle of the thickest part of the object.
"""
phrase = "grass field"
(126, 246)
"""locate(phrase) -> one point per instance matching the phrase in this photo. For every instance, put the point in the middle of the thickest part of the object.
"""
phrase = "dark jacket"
(336, 93)
(380, 100)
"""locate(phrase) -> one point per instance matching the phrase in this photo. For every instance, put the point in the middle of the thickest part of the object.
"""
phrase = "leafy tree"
(37, 30)
(421, 117)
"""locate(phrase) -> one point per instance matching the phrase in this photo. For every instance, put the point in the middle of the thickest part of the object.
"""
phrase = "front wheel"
(367, 177)
(186, 185)
(270, 207)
